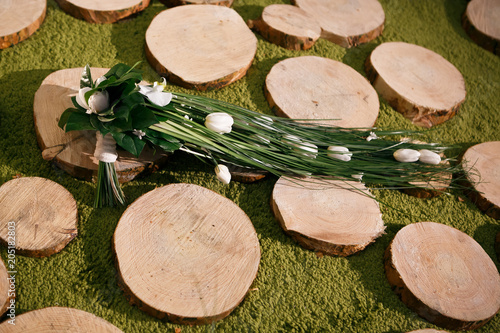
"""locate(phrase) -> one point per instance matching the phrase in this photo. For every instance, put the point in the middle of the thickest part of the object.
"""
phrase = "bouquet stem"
(109, 192)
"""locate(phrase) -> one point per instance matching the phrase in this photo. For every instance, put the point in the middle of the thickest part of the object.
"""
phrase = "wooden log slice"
(322, 215)
(19, 19)
(480, 21)
(433, 188)
(287, 26)
(311, 87)
(411, 78)
(7, 291)
(246, 175)
(74, 151)
(186, 254)
(58, 320)
(215, 49)
(174, 3)
(443, 275)
(347, 23)
(99, 11)
(41, 213)
(481, 161)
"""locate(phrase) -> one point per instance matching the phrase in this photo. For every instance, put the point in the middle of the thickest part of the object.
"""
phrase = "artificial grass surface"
(295, 290)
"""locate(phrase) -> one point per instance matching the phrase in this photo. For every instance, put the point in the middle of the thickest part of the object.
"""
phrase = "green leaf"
(64, 117)
(78, 121)
(142, 117)
(86, 79)
(163, 144)
(132, 144)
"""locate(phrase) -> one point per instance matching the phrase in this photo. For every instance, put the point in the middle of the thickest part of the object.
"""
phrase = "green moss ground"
(295, 290)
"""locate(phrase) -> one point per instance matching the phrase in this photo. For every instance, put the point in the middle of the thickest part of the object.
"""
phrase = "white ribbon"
(105, 148)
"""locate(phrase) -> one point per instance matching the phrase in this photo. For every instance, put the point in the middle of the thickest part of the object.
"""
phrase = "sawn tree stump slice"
(215, 49)
(322, 215)
(6, 295)
(99, 11)
(431, 189)
(42, 214)
(480, 21)
(173, 3)
(186, 254)
(287, 26)
(484, 176)
(443, 275)
(410, 78)
(19, 19)
(74, 151)
(311, 87)
(58, 320)
(347, 23)
(246, 175)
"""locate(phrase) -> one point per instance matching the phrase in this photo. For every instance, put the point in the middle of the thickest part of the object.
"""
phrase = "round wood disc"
(58, 320)
(186, 253)
(322, 215)
(5, 295)
(246, 175)
(480, 21)
(19, 19)
(482, 162)
(98, 11)
(214, 50)
(346, 22)
(411, 77)
(42, 214)
(173, 3)
(287, 26)
(431, 189)
(443, 275)
(74, 151)
(311, 87)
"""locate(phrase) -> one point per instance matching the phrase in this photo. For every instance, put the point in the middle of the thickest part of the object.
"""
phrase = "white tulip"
(219, 122)
(429, 157)
(99, 101)
(223, 174)
(406, 155)
(340, 153)
(155, 93)
(80, 98)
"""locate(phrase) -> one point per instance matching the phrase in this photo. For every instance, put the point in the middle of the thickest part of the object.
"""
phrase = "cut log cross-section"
(186, 254)
(287, 26)
(19, 19)
(215, 49)
(173, 3)
(311, 87)
(58, 319)
(480, 21)
(74, 151)
(98, 11)
(410, 78)
(482, 161)
(443, 275)
(7, 291)
(324, 216)
(347, 23)
(41, 213)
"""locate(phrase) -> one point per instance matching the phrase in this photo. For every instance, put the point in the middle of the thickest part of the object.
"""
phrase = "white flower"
(358, 176)
(406, 155)
(80, 98)
(223, 174)
(139, 133)
(429, 157)
(99, 80)
(155, 93)
(304, 148)
(340, 153)
(219, 122)
(99, 101)
(371, 137)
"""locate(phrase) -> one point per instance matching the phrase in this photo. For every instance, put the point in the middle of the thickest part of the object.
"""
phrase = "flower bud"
(99, 101)
(99, 80)
(406, 155)
(429, 157)
(80, 97)
(219, 122)
(223, 174)
(340, 153)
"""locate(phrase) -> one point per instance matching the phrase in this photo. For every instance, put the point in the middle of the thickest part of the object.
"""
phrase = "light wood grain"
(173, 3)
(19, 19)
(7, 293)
(99, 11)
(287, 26)
(74, 151)
(443, 275)
(58, 320)
(411, 79)
(311, 87)
(347, 23)
(215, 49)
(481, 22)
(323, 215)
(44, 213)
(482, 161)
(433, 188)
(186, 254)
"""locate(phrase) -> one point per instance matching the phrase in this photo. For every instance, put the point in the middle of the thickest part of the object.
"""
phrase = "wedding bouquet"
(130, 115)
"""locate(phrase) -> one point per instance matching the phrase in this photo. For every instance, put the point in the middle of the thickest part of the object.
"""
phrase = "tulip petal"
(223, 174)
(159, 98)
(80, 97)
